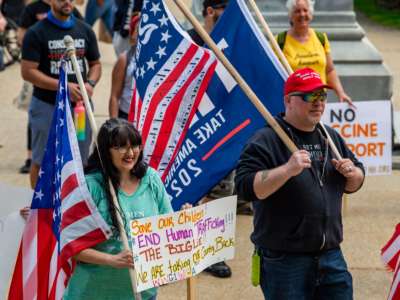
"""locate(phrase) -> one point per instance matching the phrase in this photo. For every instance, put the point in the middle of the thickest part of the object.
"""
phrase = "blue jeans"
(1, 59)
(40, 118)
(287, 276)
(105, 12)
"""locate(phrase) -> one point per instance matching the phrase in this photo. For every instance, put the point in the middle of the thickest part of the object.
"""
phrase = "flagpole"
(190, 291)
(285, 63)
(235, 74)
(70, 51)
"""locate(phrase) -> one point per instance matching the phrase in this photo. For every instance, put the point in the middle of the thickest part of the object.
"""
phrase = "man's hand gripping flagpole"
(286, 65)
(235, 74)
(70, 51)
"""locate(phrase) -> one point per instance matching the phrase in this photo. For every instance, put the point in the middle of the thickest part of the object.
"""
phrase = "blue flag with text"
(225, 118)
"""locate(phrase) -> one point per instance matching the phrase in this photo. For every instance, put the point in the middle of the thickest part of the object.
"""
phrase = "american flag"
(172, 74)
(63, 218)
(390, 256)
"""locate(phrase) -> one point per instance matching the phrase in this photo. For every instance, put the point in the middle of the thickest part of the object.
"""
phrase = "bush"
(389, 4)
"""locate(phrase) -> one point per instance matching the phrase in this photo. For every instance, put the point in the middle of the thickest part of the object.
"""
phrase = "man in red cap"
(297, 198)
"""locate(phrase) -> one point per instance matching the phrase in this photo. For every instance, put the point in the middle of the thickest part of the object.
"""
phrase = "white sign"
(175, 246)
(11, 228)
(367, 131)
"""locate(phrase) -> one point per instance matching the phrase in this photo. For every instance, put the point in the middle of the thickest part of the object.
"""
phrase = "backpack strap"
(321, 37)
(281, 39)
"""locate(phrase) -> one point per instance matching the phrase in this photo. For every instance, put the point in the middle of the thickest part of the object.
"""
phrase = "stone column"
(358, 63)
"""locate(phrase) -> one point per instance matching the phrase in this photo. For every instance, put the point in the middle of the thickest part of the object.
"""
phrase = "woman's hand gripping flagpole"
(70, 51)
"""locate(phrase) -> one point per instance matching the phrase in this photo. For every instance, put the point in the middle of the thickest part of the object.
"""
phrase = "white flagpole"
(235, 74)
(285, 63)
(69, 43)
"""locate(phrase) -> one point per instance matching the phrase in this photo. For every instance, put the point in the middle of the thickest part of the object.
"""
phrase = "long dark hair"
(115, 133)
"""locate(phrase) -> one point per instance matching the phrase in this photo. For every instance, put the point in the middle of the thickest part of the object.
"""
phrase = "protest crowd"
(170, 108)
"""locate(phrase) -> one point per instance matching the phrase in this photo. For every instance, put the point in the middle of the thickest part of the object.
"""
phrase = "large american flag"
(172, 75)
(390, 256)
(63, 218)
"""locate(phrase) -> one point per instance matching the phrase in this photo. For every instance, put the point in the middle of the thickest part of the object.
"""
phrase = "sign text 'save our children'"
(172, 247)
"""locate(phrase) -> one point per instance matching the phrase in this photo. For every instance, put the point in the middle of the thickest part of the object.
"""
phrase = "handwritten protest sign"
(367, 132)
(175, 246)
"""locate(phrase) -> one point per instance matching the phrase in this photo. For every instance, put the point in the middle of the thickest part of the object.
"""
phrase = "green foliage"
(378, 13)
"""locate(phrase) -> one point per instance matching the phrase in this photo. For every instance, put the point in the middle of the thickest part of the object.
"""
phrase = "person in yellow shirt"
(305, 47)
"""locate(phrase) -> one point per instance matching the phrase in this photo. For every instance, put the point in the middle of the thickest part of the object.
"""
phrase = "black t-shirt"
(37, 11)
(12, 9)
(121, 14)
(315, 143)
(43, 43)
(196, 37)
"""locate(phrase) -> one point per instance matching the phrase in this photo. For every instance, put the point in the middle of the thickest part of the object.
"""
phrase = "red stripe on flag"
(131, 113)
(68, 272)
(171, 113)
(69, 185)
(16, 288)
(202, 90)
(82, 242)
(226, 138)
(165, 88)
(389, 256)
(394, 293)
(45, 241)
(71, 215)
(139, 109)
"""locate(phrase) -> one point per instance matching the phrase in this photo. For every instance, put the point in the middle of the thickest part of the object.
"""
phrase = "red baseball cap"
(304, 80)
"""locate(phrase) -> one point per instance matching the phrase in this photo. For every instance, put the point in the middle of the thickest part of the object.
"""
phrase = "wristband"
(91, 82)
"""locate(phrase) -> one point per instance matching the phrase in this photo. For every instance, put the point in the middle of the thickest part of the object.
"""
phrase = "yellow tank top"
(309, 54)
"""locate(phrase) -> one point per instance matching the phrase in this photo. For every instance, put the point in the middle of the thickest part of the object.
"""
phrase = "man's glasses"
(125, 149)
(217, 6)
(311, 97)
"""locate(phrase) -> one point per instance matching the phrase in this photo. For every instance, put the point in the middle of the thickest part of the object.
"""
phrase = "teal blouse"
(90, 281)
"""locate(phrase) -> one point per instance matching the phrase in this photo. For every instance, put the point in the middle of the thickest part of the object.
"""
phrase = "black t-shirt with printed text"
(37, 11)
(314, 143)
(43, 43)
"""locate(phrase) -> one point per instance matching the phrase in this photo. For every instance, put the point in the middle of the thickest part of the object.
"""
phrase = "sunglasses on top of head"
(311, 97)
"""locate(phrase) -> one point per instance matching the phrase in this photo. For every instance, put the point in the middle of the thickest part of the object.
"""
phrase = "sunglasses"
(217, 6)
(125, 149)
(311, 97)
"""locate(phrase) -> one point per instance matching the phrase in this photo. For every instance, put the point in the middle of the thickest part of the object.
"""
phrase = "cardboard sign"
(367, 131)
(11, 228)
(175, 246)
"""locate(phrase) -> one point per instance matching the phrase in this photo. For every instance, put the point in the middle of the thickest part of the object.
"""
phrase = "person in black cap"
(212, 10)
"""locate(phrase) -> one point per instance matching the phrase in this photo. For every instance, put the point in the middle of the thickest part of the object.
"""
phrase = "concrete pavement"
(370, 215)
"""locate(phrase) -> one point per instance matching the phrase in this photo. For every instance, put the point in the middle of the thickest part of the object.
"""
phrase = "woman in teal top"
(102, 271)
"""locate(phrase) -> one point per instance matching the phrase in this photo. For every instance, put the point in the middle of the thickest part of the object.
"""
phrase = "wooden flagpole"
(235, 74)
(285, 63)
(190, 283)
(190, 288)
(69, 44)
